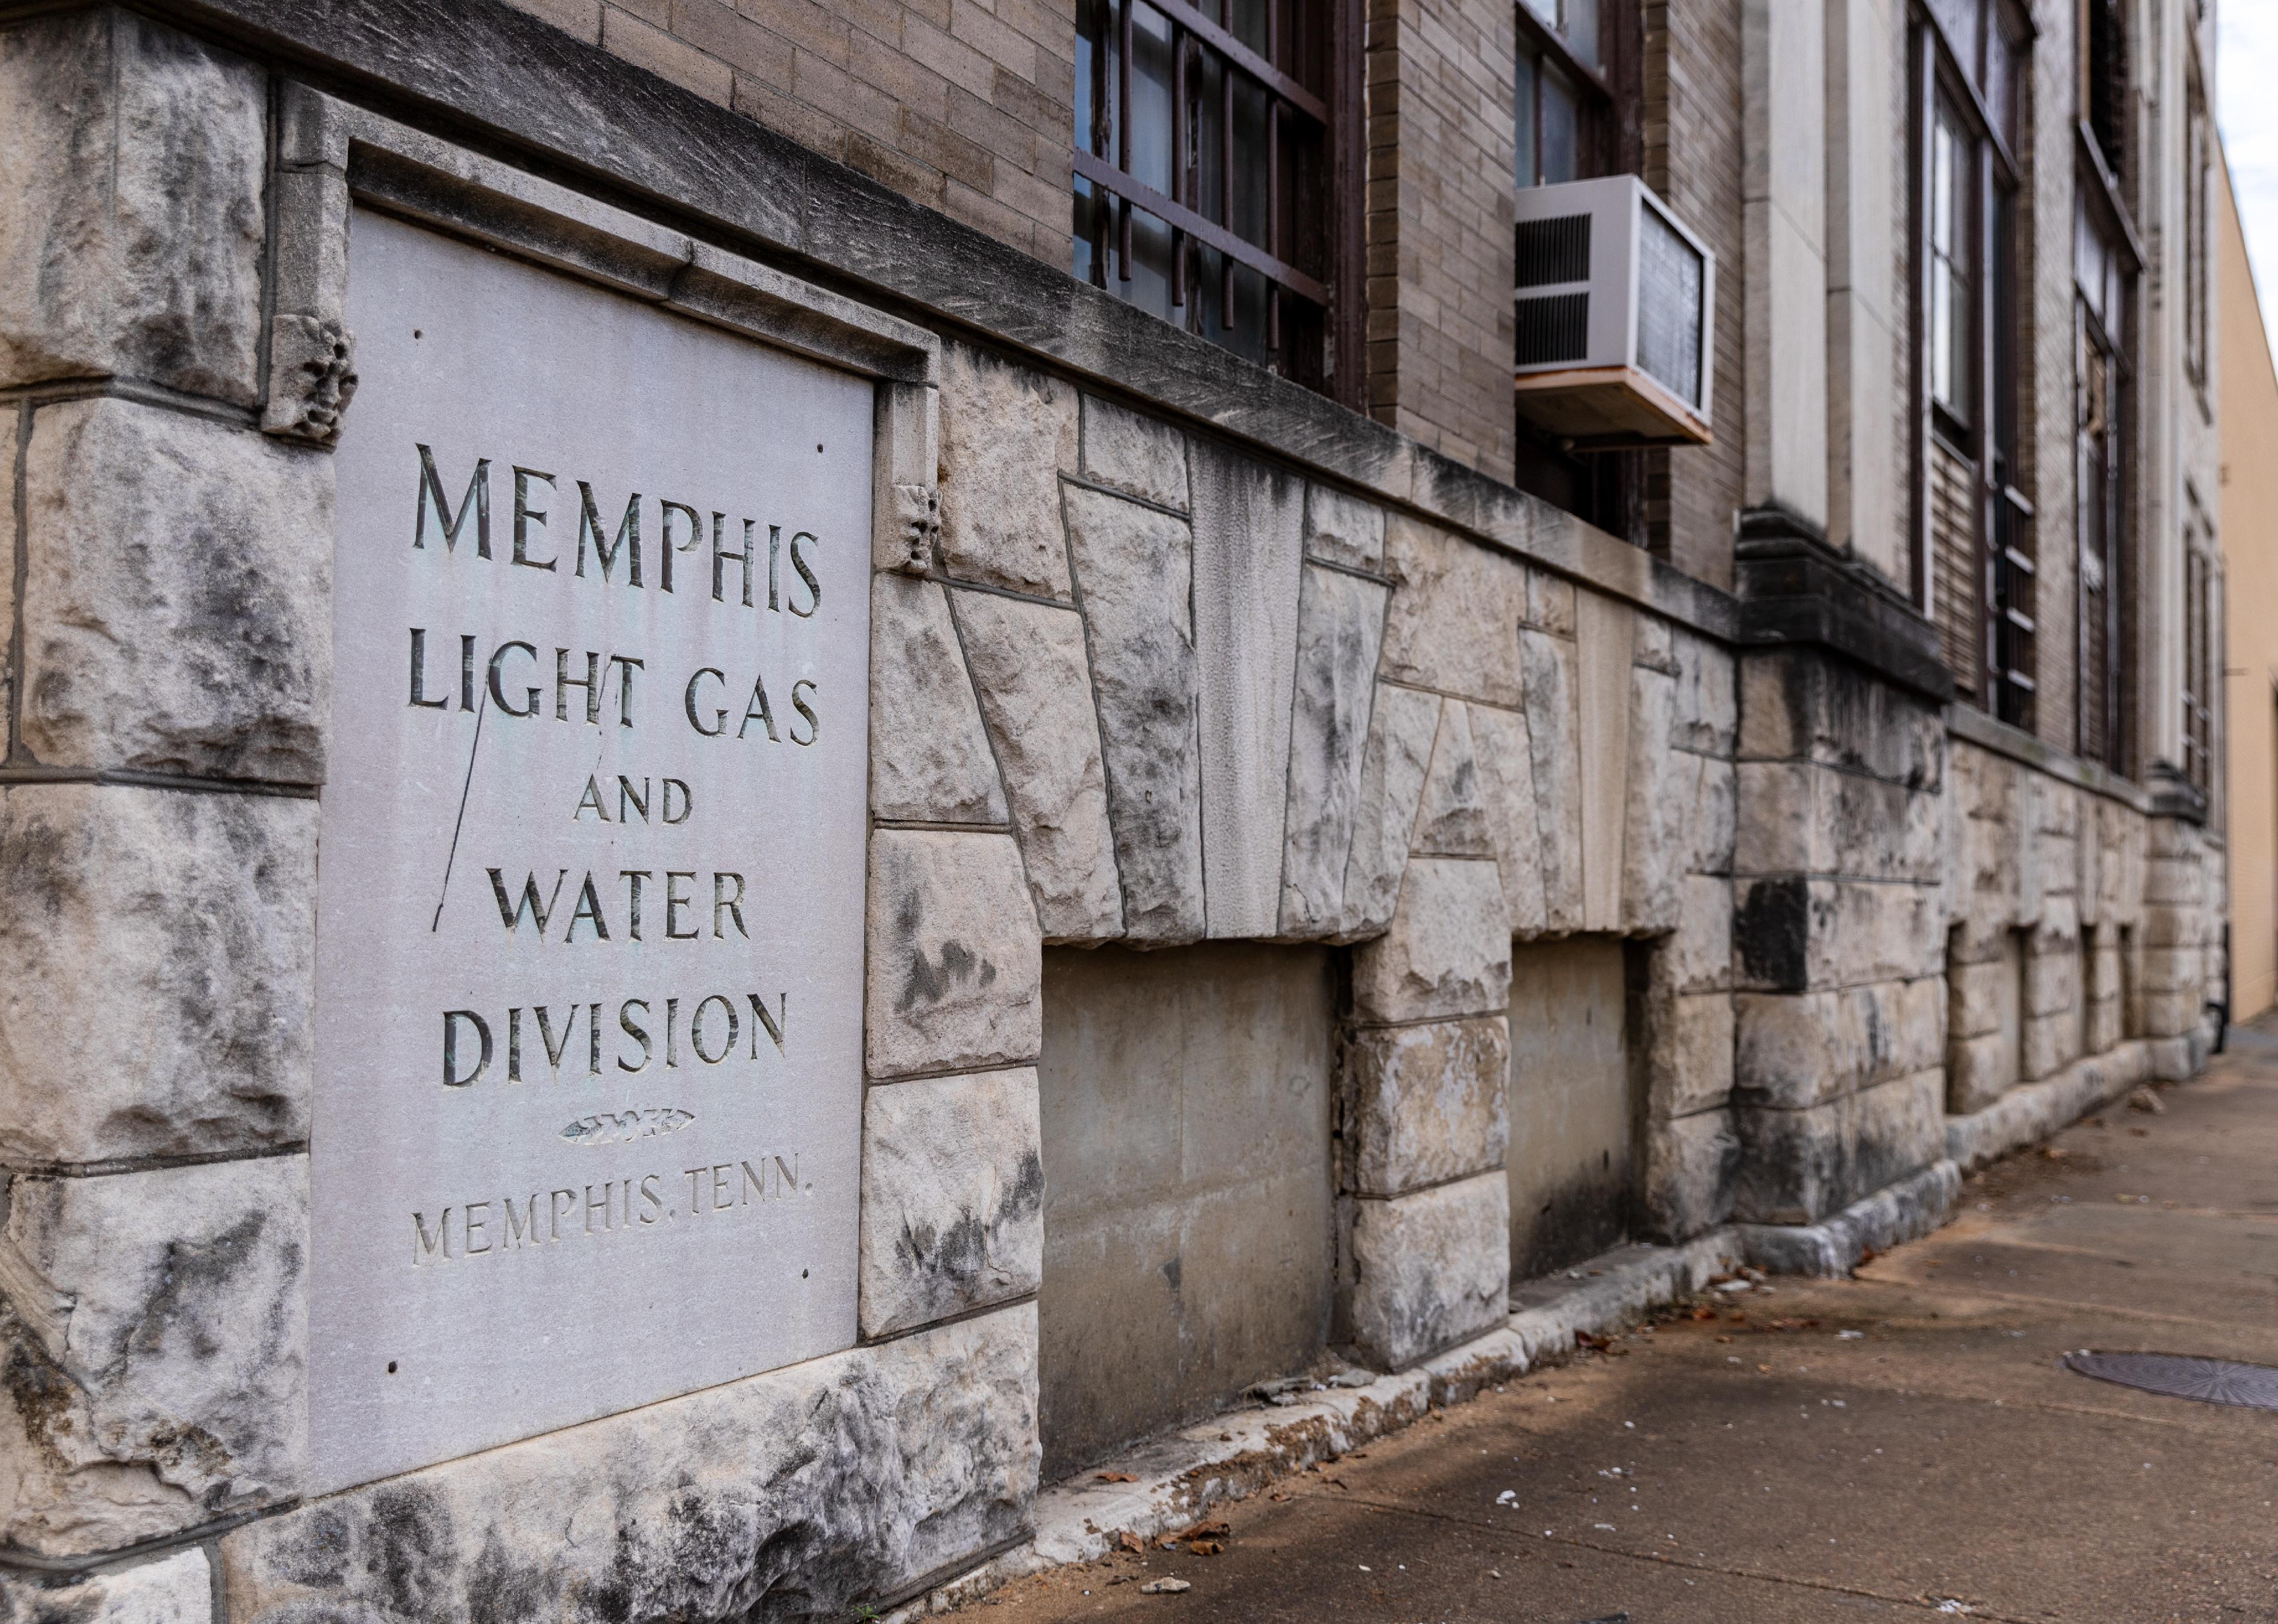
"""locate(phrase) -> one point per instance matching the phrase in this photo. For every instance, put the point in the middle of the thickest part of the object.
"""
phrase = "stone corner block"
(1137, 455)
(131, 241)
(1430, 1269)
(156, 972)
(929, 756)
(173, 1589)
(955, 959)
(1429, 1103)
(1007, 434)
(1032, 670)
(1448, 951)
(1402, 727)
(177, 595)
(952, 1197)
(158, 1350)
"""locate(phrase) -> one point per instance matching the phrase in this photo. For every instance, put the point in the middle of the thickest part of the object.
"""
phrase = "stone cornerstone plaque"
(591, 883)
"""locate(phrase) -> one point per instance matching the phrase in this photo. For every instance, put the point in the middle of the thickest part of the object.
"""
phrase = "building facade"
(2250, 416)
(1295, 781)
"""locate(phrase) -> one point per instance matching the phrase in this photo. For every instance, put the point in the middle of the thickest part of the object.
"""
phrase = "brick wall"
(965, 105)
(1692, 159)
(1439, 215)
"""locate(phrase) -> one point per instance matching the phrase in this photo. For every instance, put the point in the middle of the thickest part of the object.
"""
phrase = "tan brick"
(717, 30)
(1005, 46)
(1049, 114)
(880, 162)
(786, 115)
(802, 23)
(580, 17)
(958, 156)
(952, 58)
(625, 36)
(899, 75)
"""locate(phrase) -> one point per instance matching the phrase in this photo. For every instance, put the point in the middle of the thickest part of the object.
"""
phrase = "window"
(2200, 657)
(1215, 178)
(1975, 570)
(2105, 266)
(1576, 110)
(2198, 167)
(2104, 81)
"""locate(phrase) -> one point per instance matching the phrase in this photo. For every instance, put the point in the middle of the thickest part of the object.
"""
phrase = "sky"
(2247, 66)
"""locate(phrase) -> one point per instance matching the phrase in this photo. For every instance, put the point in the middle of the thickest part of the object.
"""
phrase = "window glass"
(1951, 326)
(1527, 174)
(1562, 134)
(1580, 32)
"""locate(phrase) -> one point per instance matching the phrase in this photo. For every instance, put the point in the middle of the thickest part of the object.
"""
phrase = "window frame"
(2105, 629)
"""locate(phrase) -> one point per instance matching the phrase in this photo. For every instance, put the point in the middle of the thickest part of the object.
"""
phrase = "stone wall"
(1162, 657)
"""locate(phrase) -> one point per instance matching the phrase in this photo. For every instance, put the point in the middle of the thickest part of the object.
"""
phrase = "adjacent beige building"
(2250, 560)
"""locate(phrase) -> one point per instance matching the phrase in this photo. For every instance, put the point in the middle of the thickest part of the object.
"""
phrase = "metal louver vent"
(1555, 328)
(1554, 250)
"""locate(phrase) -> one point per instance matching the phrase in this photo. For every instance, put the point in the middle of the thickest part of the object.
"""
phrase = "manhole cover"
(2210, 1381)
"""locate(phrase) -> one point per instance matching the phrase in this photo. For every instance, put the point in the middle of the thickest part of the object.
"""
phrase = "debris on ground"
(1116, 1477)
(1164, 1587)
(2145, 1100)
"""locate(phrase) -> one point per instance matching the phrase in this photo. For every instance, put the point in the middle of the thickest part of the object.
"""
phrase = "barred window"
(2200, 660)
(1215, 182)
(2105, 265)
(1975, 552)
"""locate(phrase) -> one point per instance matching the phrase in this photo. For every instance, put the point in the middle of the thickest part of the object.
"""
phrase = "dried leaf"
(1116, 1477)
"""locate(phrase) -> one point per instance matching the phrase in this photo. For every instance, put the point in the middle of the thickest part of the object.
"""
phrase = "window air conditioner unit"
(1614, 307)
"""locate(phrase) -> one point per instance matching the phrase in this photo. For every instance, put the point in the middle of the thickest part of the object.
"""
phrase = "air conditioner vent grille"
(1557, 328)
(1554, 250)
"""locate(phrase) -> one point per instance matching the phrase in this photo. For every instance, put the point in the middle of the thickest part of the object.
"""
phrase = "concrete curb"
(1181, 1474)
(2034, 1112)
(1904, 1211)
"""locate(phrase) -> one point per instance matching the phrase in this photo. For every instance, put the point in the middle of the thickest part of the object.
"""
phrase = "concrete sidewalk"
(1901, 1443)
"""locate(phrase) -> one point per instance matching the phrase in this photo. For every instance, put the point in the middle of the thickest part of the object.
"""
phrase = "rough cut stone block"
(1708, 698)
(929, 759)
(1690, 1164)
(1427, 1103)
(1343, 529)
(1550, 603)
(1714, 824)
(1248, 554)
(1448, 951)
(156, 971)
(952, 1197)
(174, 1589)
(1429, 1269)
(1802, 705)
(1400, 737)
(956, 965)
(1340, 629)
(1505, 752)
(799, 1493)
(1664, 789)
(131, 244)
(1456, 609)
(177, 595)
(1797, 1166)
(1029, 664)
(1554, 730)
(157, 1348)
(1138, 455)
(1800, 1051)
(1688, 1054)
(1007, 435)
(1699, 949)
(1133, 568)
(1453, 819)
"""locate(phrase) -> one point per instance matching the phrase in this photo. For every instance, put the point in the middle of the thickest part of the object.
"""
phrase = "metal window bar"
(1192, 33)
